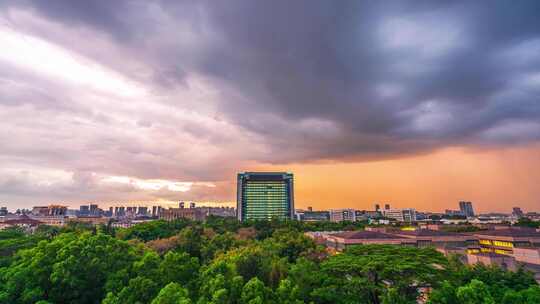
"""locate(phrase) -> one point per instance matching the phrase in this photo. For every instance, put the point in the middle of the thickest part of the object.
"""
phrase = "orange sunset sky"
(494, 180)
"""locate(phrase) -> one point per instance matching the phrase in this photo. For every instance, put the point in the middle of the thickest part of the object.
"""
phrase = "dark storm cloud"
(329, 61)
(289, 81)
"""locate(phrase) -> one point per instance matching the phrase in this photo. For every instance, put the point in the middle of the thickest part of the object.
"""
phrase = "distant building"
(172, 214)
(418, 238)
(517, 212)
(51, 220)
(386, 206)
(314, 216)
(449, 212)
(84, 210)
(72, 213)
(367, 214)
(192, 205)
(131, 211)
(466, 208)
(265, 195)
(22, 221)
(401, 215)
(377, 207)
(93, 220)
(40, 210)
(504, 241)
(342, 215)
(51, 210)
(3, 211)
(220, 211)
(95, 210)
(142, 211)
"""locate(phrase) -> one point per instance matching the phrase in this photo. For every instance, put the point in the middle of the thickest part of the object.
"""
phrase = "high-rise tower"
(265, 195)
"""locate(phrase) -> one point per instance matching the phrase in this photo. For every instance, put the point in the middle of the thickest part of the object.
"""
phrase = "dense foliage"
(526, 222)
(224, 261)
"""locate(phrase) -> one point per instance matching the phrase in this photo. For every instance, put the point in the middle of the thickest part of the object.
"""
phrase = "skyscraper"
(466, 208)
(265, 195)
(517, 212)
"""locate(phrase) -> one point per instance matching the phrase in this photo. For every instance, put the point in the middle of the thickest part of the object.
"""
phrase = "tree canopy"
(224, 261)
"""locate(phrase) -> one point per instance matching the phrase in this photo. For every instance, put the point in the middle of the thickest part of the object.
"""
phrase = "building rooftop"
(511, 232)
(364, 234)
(428, 232)
(23, 220)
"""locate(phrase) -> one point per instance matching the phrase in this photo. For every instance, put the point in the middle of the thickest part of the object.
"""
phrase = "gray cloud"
(235, 83)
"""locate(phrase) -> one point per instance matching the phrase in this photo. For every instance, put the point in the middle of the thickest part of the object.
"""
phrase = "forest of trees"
(224, 261)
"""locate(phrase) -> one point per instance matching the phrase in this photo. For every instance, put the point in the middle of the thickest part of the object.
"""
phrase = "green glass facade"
(265, 195)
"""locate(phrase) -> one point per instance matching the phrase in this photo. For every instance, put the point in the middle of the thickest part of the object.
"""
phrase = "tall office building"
(265, 195)
(466, 208)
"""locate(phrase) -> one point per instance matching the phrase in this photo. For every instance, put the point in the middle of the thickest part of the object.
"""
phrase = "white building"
(401, 215)
(341, 215)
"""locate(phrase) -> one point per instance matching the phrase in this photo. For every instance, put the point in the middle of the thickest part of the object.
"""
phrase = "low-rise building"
(503, 241)
(172, 214)
(20, 221)
(313, 216)
(94, 220)
(342, 215)
(50, 210)
(401, 215)
(490, 258)
(342, 240)
(51, 220)
(527, 255)
(417, 238)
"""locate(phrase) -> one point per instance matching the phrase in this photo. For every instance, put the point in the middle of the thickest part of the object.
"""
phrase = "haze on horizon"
(416, 103)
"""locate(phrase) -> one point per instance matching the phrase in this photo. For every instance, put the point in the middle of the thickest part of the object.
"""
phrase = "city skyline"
(420, 104)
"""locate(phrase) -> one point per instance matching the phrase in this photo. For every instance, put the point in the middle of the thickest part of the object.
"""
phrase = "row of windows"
(265, 194)
(499, 251)
(496, 243)
(254, 185)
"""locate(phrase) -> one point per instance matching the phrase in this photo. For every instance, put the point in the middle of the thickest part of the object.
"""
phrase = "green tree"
(69, 269)
(172, 293)
(178, 267)
(392, 296)
(254, 292)
(365, 272)
(287, 293)
(475, 292)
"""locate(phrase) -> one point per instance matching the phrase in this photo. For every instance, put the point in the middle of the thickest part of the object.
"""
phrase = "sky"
(413, 103)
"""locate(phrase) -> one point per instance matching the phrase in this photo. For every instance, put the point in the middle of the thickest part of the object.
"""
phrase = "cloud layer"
(193, 91)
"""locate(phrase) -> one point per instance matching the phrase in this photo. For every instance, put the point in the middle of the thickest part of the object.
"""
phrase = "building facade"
(265, 195)
(314, 216)
(172, 214)
(466, 208)
(401, 215)
(342, 215)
